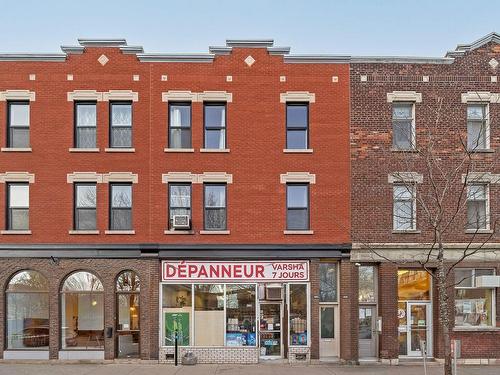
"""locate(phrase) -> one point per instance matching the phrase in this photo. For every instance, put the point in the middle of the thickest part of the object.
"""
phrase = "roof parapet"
(400, 60)
(33, 57)
(250, 43)
(89, 42)
(176, 57)
(317, 59)
(461, 49)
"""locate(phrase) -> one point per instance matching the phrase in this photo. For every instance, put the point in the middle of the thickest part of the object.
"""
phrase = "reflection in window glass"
(180, 125)
(413, 285)
(179, 200)
(215, 207)
(27, 311)
(297, 201)
(297, 123)
(209, 314)
(402, 126)
(121, 207)
(240, 315)
(121, 125)
(85, 206)
(215, 126)
(366, 283)
(127, 293)
(18, 206)
(85, 127)
(298, 314)
(18, 125)
(328, 282)
(177, 314)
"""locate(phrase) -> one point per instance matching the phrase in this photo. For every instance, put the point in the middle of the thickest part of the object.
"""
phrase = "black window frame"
(214, 208)
(182, 128)
(75, 122)
(75, 203)
(8, 216)
(9, 125)
(307, 209)
(111, 126)
(295, 128)
(220, 128)
(110, 221)
(172, 184)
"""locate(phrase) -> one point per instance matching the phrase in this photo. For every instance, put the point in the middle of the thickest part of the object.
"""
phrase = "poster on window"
(279, 271)
(176, 322)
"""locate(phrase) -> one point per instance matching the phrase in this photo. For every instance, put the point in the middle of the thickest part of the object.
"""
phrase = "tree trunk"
(444, 313)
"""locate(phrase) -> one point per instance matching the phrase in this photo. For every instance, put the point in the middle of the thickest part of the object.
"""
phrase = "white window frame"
(413, 145)
(487, 208)
(412, 187)
(486, 121)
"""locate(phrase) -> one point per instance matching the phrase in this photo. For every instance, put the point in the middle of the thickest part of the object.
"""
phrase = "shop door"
(367, 332)
(270, 340)
(328, 341)
(419, 328)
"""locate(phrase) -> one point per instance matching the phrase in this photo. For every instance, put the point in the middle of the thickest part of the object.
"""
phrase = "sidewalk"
(261, 369)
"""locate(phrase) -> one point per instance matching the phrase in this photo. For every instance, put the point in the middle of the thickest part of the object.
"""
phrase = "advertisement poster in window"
(177, 322)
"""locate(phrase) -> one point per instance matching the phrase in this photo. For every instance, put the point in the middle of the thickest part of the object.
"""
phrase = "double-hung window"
(404, 207)
(121, 125)
(179, 200)
(297, 125)
(215, 125)
(179, 125)
(477, 206)
(297, 206)
(474, 306)
(477, 127)
(18, 203)
(18, 135)
(215, 207)
(403, 126)
(85, 206)
(85, 125)
(121, 207)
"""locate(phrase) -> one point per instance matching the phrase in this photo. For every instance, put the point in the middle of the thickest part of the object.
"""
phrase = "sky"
(356, 27)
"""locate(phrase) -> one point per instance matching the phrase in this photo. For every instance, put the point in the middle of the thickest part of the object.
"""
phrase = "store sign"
(278, 271)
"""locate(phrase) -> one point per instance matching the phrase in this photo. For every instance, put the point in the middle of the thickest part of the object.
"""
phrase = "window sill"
(119, 149)
(215, 232)
(475, 329)
(178, 149)
(119, 232)
(83, 232)
(479, 231)
(174, 232)
(74, 149)
(410, 150)
(298, 232)
(216, 150)
(406, 231)
(15, 232)
(298, 151)
(483, 151)
(16, 149)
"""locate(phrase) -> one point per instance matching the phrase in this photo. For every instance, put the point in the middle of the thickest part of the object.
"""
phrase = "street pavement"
(260, 369)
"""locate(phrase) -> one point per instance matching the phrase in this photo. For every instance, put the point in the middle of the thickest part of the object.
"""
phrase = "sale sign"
(235, 271)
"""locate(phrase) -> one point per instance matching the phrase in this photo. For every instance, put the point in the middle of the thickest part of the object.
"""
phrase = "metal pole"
(455, 356)
(423, 349)
(176, 354)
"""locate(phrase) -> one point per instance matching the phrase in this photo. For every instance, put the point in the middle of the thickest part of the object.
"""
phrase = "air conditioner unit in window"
(181, 222)
(274, 292)
(488, 281)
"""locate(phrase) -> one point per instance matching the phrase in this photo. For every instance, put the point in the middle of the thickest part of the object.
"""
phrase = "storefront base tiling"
(212, 355)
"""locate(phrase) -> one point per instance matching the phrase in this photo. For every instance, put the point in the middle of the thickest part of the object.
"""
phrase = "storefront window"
(366, 284)
(413, 285)
(473, 306)
(240, 315)
(127, 294)
(28, 311)
(82, 305)
(177, 314)
(298, 314)
(209, 314)
(328, 282)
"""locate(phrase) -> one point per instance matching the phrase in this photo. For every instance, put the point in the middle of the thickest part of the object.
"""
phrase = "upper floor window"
(403, 126)
(297, 206)
(179, 201)
(121, 125)
(474, 306)
(404, 209)
(477, 127)
(85, 206)
(477, 206)
(18, 205)
(297, 125)
(179, 125)
(215, 207)
(18, 135)
(215, 125)
(85, 125)
(121, 207)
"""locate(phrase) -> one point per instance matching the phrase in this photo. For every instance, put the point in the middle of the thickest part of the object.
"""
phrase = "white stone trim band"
(84, 95)
(292, 177)
(84, 177)
(17, 177)
(120, 95)
(481, 177)
(215, 96)
(404, 96)
(409, 177)
(215, 177)
(297, 96)
(17, 95)
(120, 177)
(179, 95)
(179, 177)
(480, 96)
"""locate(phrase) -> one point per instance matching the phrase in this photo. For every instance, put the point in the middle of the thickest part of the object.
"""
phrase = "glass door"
(270, 330)
(327, 326)
(418, 328)
(367, 332)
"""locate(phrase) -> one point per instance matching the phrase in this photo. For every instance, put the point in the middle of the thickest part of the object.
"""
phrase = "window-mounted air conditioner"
(274, 292)
(488, 281)
(181, 222)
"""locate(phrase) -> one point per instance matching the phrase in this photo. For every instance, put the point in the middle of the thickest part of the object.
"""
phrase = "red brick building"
(117, 166)
(420, 126)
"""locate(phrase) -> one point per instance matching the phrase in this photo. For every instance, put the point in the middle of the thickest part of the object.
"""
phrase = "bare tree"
(445, 179)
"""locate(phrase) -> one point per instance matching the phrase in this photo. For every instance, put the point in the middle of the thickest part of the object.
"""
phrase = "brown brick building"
(149, 194)
(421, 126)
